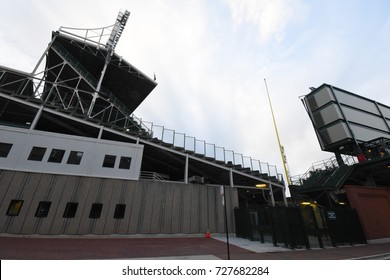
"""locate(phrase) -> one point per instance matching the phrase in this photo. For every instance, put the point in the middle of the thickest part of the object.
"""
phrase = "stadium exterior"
(342, 200)
(357, 130)
(75, 160)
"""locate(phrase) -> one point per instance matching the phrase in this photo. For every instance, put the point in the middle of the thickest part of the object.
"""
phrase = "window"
(37, 153)
(119, 211)
(56, 155)
(70, 210)
(43, 209)
(96, 210)
(74, 157)
(125, 163)
(14, 207)
(4, 149)
(109, 161)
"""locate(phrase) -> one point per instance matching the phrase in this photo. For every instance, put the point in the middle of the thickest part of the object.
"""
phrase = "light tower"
(116, 33)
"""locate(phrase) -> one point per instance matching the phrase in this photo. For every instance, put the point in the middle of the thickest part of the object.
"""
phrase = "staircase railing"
(323, 171)
(338, 176)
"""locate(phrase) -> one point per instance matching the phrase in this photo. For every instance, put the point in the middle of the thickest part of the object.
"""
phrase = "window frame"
(109, 161)
(96, 210)
(56, 155)
(43, 209)
(5, 148)
(70, 210)
(74, 157)
(37, 153)
(14, 208)
(120, 210)
(125, 162)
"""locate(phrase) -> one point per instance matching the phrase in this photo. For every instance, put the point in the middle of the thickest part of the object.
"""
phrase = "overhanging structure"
(357, 130)
(344, 121)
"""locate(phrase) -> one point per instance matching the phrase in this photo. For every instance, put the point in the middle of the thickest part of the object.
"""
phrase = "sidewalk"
(171, 247)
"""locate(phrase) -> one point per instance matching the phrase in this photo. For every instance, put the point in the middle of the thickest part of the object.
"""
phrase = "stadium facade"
(75, 160)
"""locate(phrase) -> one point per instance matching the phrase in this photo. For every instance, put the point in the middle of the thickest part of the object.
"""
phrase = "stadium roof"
(121, 79)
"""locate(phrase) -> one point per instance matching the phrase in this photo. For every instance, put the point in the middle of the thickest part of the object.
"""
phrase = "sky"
(211, 57)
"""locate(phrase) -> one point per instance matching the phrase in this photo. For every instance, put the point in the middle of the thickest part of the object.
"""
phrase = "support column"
(271, 192)
(100, 132)
(339, 159)
(231, 183)
(186, 170)
(99, 85)
(36, 118)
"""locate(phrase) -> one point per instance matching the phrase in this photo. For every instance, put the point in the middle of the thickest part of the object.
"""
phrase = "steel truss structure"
(67, 85)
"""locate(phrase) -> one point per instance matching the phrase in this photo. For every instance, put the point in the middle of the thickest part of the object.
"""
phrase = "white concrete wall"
(93, 150)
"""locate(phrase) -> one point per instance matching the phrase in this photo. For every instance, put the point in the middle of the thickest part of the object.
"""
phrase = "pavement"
(174, 247)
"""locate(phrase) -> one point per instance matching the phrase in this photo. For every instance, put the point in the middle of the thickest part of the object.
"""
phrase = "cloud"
(271, 18)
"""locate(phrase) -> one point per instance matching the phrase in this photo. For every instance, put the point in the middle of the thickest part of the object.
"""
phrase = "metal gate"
(297, 227)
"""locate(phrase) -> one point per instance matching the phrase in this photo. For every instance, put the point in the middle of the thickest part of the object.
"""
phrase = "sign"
(331, 215)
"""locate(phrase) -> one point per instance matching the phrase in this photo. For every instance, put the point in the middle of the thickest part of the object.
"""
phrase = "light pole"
(281, 148)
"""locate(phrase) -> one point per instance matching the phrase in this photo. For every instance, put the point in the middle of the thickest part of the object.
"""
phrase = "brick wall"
(373, 208)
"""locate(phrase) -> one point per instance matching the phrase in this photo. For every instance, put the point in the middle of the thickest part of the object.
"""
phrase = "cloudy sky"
(211, 58)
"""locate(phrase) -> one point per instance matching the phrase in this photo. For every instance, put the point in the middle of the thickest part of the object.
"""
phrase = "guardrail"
(189, 144)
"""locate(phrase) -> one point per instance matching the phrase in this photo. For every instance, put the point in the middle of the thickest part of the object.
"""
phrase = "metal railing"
(148, 175)
(191, 145)
(321, 166)
(96, 36)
